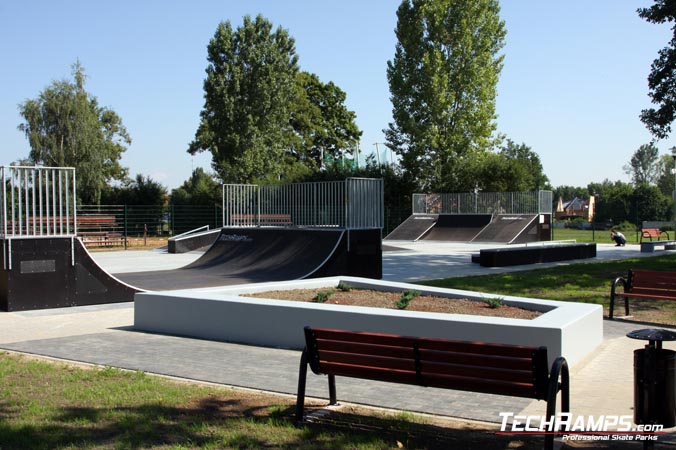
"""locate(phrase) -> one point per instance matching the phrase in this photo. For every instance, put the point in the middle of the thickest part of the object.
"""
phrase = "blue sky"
(572, 87)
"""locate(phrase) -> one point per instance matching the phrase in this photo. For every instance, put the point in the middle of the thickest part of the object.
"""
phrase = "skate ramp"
(457, 227)
(508, 228)
(413, 228)
(241, 255)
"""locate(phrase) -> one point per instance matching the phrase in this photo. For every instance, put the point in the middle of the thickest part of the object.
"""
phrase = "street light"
(673, 194)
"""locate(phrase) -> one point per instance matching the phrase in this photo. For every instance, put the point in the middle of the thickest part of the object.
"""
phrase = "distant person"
(618, 238)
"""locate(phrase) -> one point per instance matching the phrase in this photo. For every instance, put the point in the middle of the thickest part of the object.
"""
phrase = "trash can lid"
(652, 334)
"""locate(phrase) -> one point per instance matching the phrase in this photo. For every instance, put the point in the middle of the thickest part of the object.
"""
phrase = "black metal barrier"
(515, 256)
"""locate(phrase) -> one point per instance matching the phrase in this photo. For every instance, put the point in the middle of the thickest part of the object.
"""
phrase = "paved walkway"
(104, 334)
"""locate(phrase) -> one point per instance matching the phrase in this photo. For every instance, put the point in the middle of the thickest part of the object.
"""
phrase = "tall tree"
(443, 82)
(199, 189)
(523, 156)
(65, 126)
(248, 91)
(665, 176)
(662, 78)
(643, 165)
(322, 124)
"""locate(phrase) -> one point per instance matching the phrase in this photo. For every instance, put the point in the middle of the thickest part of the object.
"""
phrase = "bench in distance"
(643, 284)
(509, 370)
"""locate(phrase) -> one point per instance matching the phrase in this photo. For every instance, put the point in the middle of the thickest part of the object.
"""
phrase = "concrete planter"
(569, 329)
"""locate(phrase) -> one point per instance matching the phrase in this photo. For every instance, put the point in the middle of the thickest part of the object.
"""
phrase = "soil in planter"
(379, 299)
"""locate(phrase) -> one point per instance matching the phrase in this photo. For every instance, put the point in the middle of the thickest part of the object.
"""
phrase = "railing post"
(125, 227)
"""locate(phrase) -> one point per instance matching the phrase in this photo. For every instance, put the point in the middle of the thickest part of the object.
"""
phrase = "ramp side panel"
(413, 228)
(57, 272)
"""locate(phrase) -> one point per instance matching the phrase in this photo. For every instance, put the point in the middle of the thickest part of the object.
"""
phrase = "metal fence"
(352, 203)
(38, 201)
(539, 202)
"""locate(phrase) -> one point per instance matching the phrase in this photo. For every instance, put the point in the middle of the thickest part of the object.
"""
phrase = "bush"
(626, 226)
(406, 298)
(577, 223)
(323, 296)
(494, 303)
(342, 286)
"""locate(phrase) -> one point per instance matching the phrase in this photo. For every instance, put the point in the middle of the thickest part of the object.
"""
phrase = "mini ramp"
(510, 229)
(413, 228)
(241, 256)
(59, 272)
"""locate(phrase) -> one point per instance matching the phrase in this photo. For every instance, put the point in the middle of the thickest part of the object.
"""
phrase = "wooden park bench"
(643, 284)
(510, 370)
(261, 220)
(653, 233)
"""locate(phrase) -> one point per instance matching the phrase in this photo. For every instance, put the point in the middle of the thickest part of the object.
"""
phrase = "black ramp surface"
(412, 228)
(457, 227)
(505, 228)
(244, 255)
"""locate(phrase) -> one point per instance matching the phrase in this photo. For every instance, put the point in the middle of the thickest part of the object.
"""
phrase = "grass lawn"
(588, 282)
(48, 405)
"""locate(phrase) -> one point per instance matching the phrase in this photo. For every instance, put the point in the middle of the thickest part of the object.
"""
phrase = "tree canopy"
(248, 92)
(643, 167)
(65, 126)
(662, 78)
(443, 82)
(199, 189)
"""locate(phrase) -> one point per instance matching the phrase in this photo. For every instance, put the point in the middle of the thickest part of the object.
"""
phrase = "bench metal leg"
(559, 368)
(332, 390)
(300, 397)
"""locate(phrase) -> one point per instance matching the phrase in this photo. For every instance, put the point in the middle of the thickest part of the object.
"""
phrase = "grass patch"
(494, 302)
(585, 282)
(323, 296)
(48, 405)
(344, 287)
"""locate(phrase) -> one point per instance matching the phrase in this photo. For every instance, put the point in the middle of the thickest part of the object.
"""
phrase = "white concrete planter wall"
(569, 329)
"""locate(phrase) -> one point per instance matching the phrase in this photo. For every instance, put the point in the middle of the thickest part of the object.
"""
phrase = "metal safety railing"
(538, 202)
(38, 201)
(354, 203)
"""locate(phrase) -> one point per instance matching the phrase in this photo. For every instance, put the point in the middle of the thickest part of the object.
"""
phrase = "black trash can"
(655, 386)
(654, 379)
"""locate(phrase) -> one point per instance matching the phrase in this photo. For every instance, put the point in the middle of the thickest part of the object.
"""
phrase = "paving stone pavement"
(602, 384)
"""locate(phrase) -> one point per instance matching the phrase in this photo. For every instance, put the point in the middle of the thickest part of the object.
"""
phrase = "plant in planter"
(406, 298)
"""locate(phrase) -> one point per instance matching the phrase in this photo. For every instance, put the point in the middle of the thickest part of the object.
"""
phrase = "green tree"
(248, 91)
(661, 81)
(522, 155)
(643, 167)
(443, 82)
(199, 189)
(65, 126)
(323, 126)
(142, 190)
(665, 176)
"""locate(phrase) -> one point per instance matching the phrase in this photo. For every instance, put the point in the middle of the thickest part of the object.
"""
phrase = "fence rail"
(38, 201)
(352, 203)
(539, 202)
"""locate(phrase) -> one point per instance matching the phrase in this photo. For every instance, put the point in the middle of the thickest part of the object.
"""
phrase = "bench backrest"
(651, 232)
(651, 282)
(469, 366)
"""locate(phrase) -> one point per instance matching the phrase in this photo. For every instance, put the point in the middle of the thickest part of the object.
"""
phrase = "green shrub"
(323, 296)
(494, 302)
(342, 286)
(406, 298)
(626, 227)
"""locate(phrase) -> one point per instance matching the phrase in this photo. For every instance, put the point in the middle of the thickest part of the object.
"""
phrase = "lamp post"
(673, 194)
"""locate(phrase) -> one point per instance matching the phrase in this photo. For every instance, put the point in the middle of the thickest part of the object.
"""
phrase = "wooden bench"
(653, 233)
(509, 370)
(102, 239)
(643, 284)
(261, 220)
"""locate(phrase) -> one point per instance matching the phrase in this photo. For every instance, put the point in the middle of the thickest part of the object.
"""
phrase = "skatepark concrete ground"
(602, 384)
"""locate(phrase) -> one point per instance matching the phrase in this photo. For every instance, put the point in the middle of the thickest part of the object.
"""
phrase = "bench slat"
(641, 295)
(365, 349)
(480, 385)
(492, 373)
(425, 343)
(372, 373)
(326, 357)
(510, 362)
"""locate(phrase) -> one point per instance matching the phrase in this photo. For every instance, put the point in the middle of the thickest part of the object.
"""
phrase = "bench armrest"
(559, 370)
(613, 290)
